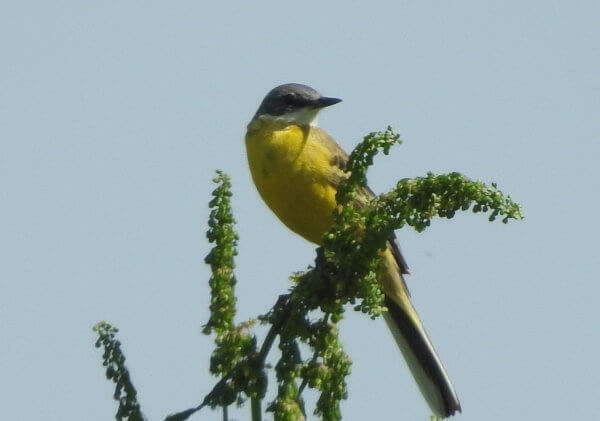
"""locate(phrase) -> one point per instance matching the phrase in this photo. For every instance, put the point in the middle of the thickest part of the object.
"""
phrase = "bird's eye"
(290, 98)
(295, 100)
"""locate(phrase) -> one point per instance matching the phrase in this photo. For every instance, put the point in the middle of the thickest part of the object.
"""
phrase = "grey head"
(292, 97)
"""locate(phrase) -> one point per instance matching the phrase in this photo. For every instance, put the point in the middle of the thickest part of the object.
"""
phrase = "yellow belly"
(291, 171)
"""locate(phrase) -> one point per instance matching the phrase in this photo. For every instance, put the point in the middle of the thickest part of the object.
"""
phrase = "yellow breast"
(292, 171)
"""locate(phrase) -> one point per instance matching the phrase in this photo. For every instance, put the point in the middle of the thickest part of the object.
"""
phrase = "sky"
(114, 117)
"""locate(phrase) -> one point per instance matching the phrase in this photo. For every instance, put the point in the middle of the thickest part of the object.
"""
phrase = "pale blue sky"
(114, 116)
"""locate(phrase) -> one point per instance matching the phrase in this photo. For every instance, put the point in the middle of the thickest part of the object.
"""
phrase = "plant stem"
(256, 409)
(305, 380)
(264, 351)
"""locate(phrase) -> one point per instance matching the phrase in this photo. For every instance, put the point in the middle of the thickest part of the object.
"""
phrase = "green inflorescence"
(235, 351)
(114, 361)
(222, 282)
(344, 273)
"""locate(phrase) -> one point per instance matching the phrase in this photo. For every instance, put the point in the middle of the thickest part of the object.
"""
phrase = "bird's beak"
(326, 101)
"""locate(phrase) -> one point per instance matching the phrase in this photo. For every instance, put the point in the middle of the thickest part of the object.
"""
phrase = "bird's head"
(294, 103)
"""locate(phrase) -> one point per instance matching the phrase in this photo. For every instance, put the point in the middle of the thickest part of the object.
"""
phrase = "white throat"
(302, 117)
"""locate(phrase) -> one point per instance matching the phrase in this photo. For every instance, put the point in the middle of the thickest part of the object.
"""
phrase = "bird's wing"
(401, 317)
(340, 159)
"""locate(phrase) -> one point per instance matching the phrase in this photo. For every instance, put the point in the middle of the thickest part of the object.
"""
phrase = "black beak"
(326, 101)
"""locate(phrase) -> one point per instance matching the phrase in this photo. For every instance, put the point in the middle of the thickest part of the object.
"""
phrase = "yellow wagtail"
(296, 168)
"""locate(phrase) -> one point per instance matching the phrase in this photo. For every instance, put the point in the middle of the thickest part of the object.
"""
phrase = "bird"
(297, 167)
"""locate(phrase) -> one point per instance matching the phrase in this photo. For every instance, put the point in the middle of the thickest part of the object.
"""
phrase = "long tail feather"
(423, 362)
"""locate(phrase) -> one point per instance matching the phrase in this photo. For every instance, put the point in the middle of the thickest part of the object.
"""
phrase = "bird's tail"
(423, 362)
